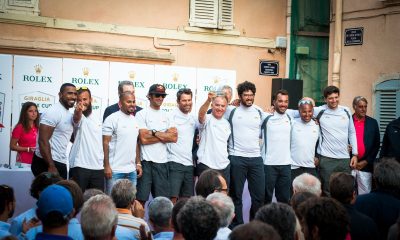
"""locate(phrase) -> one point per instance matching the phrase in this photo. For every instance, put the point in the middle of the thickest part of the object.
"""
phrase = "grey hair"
(123, 193)
(357, 99)
(221, 88)
(122, 84)
(160, 211)
(224, 206)
(98, 217)
(387, 175)
(90, 193)
(307, 183)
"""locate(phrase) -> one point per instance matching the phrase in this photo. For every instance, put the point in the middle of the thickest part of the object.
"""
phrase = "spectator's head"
(300, 197)
(307, 183)
(331, 96)
(323, 218)
(198, 220)
(246, 92)
(210, 181)
(280, 216)
(76, 193)
(90, 193)
(175, 210)
(160, 212)
(67, 95)
(55, 207)
(387, 176)
(227, 90)
(360, 105)
(254, 230)
(123, 193)
(281, 101)
(7, 202)
(184, 99)
(29, 113)
(342, 187)
(126, 86)
(224, 206)
(42, 181)
(99, 218)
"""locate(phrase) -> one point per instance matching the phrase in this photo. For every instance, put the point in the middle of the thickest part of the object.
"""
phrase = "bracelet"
(138, 164)
(28, 149)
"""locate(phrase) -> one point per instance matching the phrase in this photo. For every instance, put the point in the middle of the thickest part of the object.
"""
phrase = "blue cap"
(54, 198)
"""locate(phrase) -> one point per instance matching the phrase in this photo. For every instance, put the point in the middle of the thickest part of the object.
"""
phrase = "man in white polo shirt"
(120, 143)
(156, 130)
(180, 153)
(214, 134)
(55, 130)
(86, 157)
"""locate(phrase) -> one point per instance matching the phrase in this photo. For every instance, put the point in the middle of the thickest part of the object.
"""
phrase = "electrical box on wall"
(280, 42)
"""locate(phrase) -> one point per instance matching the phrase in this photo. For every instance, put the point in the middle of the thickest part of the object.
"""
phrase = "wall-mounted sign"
(269, 68)
(353, 36)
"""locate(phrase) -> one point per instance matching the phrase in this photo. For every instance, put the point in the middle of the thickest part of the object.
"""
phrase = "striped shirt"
(127, 220)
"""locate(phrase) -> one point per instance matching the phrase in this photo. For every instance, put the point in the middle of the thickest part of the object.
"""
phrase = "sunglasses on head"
(302, 102)
(83, 88)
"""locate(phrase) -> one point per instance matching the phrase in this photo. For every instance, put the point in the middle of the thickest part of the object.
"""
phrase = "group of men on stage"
(153, 148)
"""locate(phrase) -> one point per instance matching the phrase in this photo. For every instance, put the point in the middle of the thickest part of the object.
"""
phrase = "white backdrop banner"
(5, 106)
(141, 75)
(212, 79)
(174, 78)
(91, 74)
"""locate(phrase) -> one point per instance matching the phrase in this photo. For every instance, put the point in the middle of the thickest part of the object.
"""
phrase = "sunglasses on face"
(159, 95)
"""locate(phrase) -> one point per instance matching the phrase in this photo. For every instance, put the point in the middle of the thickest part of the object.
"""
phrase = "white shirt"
(214, 135)
(124, 132)
(246, 124)
(86, 152)
(223, 233)
(303, 142)
(158, 120)
(181, 151)
(277, 151)
(60, 118)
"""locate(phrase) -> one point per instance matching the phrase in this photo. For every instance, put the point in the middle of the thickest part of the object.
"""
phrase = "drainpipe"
(337, 48)
(288, 29)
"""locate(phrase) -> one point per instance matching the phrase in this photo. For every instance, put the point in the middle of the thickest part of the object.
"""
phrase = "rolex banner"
(174, 78)
(5, 107)
(142, 76)
(89, 74)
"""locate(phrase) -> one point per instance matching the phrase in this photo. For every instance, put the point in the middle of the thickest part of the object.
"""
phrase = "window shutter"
(225, 20)
(204, 13)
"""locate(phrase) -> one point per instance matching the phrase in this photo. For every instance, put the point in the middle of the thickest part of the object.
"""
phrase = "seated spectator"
(383, 204)
(343, 188)
(210, 181)
(55, 209)
(174, 217)
(307, 183)
(123, 193)
(198, 220)
(7, 207)
(281, 217)
(29, 217)
(226, 211)
(300, 197)
(74, 227)
(254, 230)
(160, 212)
(90, 193)
(323, 218)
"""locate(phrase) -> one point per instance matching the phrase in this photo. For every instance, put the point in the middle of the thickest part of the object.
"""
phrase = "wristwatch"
(153, 132)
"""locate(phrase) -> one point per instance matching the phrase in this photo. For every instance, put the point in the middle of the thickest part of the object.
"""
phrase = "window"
(26, 7)
(387, 95)
(211, 14)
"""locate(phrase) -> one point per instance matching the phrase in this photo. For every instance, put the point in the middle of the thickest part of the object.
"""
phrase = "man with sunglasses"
(155, 131)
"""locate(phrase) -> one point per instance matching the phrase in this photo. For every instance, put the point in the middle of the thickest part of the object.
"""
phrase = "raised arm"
(203, 109)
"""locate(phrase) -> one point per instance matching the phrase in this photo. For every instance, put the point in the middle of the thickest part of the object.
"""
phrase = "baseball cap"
(54, 198)
(157, 89)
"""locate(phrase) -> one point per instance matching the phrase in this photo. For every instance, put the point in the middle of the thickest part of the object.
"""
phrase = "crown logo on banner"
(38, 69)
(175, 77)
(85, 71)
(217, 80)
(132, 75)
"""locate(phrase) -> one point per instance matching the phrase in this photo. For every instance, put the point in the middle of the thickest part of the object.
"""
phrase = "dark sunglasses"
(159, 95)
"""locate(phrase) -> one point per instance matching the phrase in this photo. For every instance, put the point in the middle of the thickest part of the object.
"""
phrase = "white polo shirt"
(277, 150)
(124, 132)
(60, 118)
(181, 151)
(303, 142)
(86, 151)
(158, 120)
(214, 135)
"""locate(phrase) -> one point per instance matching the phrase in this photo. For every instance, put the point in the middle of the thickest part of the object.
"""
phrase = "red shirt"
(25, 139)
(359, 126)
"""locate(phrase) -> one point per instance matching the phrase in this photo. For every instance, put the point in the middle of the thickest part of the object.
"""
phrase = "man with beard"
(276, 150)
(55, 130)
(155, 131)
(180, 153)
(86, 158)
(120, 143)
(244, 151)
